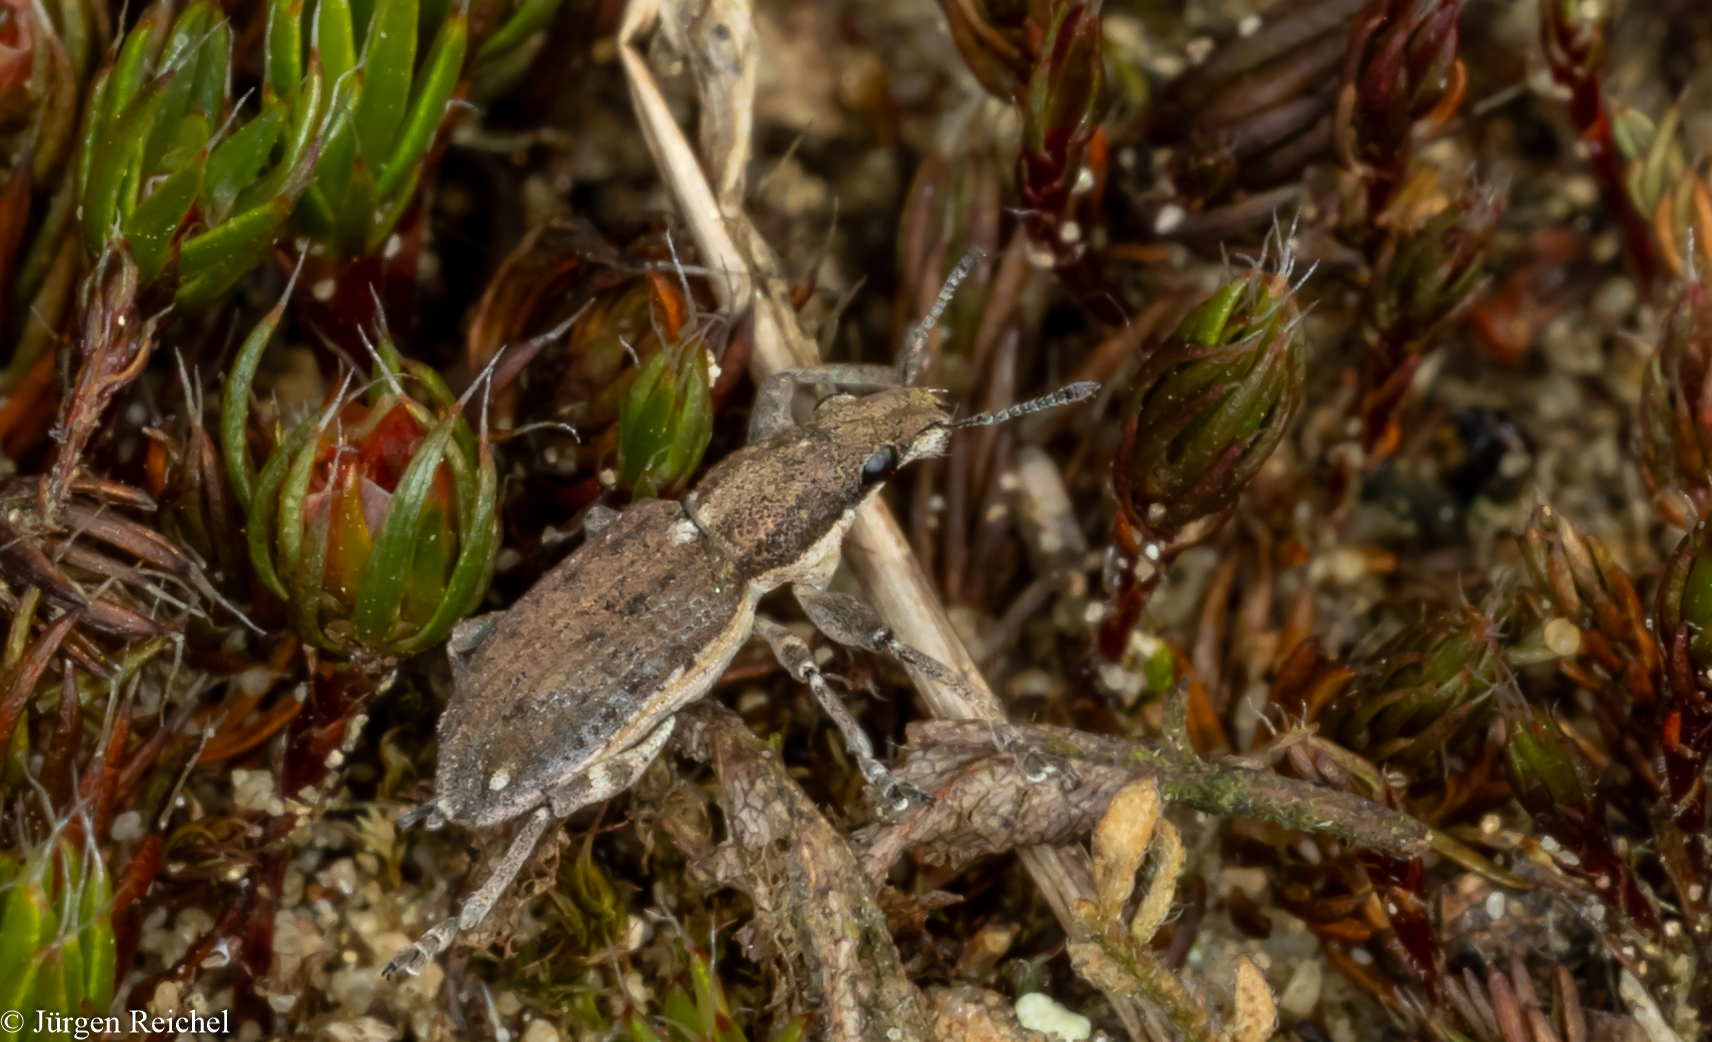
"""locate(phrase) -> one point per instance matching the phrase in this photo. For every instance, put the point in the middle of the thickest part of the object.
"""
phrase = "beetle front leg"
(772, 411)
(476, 907)
(851, 622)
(798, 661)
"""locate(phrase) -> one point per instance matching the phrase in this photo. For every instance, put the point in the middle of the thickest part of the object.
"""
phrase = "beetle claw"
(900, 795)
(412, 960)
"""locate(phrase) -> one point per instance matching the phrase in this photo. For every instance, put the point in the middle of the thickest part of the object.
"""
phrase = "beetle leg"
(609, 777)
(772, 411)
(412, 959)
(727, 554)
(798, 661)
(851, 622)
(468, 636)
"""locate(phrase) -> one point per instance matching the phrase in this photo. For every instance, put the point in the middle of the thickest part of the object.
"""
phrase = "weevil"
(566, 698)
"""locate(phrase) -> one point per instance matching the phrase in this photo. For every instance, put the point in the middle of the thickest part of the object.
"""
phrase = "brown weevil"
(566, 698)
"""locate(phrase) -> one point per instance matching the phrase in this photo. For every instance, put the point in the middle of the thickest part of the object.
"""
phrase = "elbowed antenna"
(1068, 395)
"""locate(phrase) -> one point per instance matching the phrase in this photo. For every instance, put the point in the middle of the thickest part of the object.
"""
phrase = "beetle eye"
(880, 466)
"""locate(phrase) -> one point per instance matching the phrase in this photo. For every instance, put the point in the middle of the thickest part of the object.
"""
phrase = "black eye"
(880, 466)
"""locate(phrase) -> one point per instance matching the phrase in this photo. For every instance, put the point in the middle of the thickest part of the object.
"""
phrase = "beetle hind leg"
(852, 623)
(799, 662)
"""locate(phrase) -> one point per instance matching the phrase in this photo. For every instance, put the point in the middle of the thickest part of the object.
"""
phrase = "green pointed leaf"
(439, 78)
(238, 159)
(339, 145)
(284, 46)
(50, 980)
(100, 948)
(530, 18)
(235, 406)
(308, 578)
(71, 20)
(131, 69)
(264, 505)
(291, 174)
(89, 141)
(389, 63)
(115, 164)
(382, 591)
(213, 262)
(334, 38)
(213, 73)
(357, 215)
(478, 544)
(181, 57)
(150, 231)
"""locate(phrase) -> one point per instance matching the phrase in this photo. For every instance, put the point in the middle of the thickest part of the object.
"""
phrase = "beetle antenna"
(1069, 395)
(913, 359)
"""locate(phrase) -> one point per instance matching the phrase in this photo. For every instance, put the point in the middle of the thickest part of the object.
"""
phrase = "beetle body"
(646, 615)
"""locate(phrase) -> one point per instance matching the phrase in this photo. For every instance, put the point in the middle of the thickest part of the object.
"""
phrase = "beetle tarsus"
(900, 795)
(1036, 763)
(414, 959)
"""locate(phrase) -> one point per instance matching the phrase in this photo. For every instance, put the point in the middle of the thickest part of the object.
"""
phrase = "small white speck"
(1037, 1011)
(324, 290)
(1248, 26)
(127, 826)
(1070, 232)
(1361, 957)
(1495, 906)
(501, 778)
(1170, 217)
(394, 244)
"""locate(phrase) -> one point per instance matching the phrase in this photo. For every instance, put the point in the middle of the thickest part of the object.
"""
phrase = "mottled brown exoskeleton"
(566, 698)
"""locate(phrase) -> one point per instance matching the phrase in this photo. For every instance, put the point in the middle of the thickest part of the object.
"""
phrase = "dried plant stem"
(807, 886)
(876, 547)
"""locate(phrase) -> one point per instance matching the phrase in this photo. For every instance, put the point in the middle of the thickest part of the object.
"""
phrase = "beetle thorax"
(782, 506)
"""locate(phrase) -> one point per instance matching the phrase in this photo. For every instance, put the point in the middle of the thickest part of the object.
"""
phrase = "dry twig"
(809, 892)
